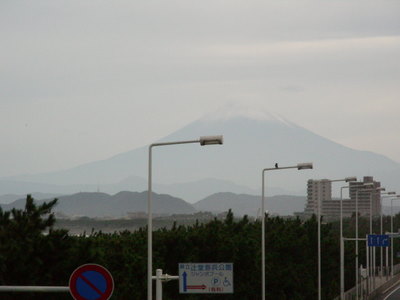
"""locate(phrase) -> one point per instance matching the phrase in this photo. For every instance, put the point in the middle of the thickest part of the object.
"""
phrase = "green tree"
(31, 252)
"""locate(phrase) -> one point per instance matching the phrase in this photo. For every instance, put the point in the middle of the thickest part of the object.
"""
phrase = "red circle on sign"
(78, 274)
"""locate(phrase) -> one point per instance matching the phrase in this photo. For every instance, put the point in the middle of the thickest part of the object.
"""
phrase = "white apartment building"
(316, 189)
(331, 208)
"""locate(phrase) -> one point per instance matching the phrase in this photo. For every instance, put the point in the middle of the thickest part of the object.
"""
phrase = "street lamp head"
(304, 166)
(391, 193)
(349, 179)
(211, 140)
(380, 189)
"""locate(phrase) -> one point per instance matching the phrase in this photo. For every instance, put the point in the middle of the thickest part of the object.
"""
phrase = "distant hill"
(8, 198)
(242, 204)
(191, 191)
(249, 146)
(118, 205)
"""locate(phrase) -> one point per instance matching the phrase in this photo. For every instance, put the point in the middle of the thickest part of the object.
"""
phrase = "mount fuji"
(252, 141)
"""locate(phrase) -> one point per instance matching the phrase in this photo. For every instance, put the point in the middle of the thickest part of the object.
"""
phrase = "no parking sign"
(91, 282)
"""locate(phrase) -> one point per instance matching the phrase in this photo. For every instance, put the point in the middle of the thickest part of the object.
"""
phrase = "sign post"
(91, 282)
(376, 240)
(206, 278)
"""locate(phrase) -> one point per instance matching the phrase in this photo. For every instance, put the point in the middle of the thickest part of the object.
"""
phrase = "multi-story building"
(366, 197)
(330, 208)
(317, 189)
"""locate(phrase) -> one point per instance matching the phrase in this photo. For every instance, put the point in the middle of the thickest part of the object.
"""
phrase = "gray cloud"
(94, 78)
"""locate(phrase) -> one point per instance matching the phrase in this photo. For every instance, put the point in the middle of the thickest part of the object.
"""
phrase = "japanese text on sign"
(206, 278)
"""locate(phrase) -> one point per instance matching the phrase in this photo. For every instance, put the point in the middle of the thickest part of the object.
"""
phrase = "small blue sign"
(378, 240)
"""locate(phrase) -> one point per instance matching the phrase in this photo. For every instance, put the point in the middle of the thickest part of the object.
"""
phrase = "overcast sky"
(85, 80)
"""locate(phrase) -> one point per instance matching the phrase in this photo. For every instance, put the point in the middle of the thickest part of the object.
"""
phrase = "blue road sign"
(91, 282)
(205, 278)
(378, 240)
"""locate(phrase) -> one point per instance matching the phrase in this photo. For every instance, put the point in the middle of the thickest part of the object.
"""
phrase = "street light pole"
(370, 266)
(300, 166)
(391, 232)
(319, 204)
(341, 232)
(319, 239)
(357, 244)
(371, 253)
(203, 141)
(364, 185)
(390, 194)
(341, 245)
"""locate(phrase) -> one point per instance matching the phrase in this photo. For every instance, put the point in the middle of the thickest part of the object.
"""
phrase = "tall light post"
(342, 238)
(300, 166)
(370, 259)
(368, 184)
(370, 191)
(341, 244)
(319, 204)
(391, 232)
(203, 141)
(389, 195)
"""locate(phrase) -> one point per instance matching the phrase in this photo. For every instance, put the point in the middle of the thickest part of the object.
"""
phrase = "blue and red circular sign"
(91, 282)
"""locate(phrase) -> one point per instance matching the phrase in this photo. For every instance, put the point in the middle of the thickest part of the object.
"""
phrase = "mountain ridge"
(249, 146)
(118, 205)
(192, 191)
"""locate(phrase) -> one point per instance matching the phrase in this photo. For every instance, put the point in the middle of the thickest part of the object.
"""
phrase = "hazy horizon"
(83, 81)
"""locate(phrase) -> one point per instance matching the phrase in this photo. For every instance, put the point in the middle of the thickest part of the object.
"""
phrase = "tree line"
(32, 252)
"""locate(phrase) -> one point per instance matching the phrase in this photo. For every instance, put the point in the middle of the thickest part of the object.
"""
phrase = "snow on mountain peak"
(235, 110)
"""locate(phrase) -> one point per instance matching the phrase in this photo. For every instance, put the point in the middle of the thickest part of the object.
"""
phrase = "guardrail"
(384, 287)
(37, 289)
(160, 278)
(351, 293)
